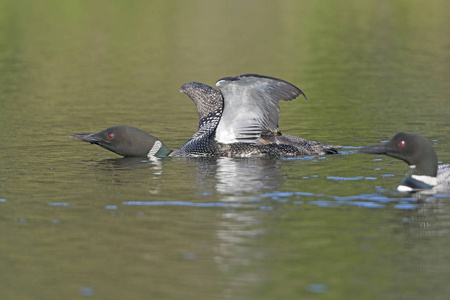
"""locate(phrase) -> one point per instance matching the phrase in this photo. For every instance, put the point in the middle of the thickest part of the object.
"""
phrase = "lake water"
(77, 221)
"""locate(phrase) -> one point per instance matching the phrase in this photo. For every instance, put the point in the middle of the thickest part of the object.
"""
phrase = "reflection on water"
(426, 227)
(247, 176)
(244, 182)
(233, 222)
(234, 180)
(243, 193)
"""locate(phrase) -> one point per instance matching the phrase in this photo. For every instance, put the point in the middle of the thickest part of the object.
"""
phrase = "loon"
(417, 151)
(246, 111)
(242, 121)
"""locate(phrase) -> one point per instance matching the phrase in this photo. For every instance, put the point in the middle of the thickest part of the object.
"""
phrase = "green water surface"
(77, 221)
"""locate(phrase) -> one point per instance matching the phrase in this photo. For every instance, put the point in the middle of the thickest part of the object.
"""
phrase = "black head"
(412, 148)
(126, 141)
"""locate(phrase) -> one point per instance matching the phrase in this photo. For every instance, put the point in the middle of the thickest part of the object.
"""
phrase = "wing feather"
(251, 107)
(209, 103)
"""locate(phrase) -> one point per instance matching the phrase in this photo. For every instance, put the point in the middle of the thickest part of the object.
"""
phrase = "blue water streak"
(182, 203)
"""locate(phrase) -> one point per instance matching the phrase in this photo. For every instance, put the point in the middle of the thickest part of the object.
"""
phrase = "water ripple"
(350, 178)
(182, 203)
(60, 204)
(362, 200)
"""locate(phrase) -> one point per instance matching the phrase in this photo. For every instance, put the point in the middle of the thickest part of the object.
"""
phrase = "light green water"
(77, 221)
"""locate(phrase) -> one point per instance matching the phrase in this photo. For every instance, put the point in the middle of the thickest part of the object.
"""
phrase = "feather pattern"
(251, 107)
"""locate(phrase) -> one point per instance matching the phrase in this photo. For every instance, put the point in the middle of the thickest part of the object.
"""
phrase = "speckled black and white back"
(443, 177)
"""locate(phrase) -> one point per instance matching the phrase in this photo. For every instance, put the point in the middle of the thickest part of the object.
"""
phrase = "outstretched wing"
(251, 107)
(209, 103)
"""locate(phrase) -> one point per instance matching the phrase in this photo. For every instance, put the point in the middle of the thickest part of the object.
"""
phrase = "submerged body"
(243, 123)
(417, 151)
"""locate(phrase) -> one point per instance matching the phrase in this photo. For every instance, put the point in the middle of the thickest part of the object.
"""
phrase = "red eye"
(111, 135)
(401, 144)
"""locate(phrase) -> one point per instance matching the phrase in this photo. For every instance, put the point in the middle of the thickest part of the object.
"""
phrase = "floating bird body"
(424, 172)
(240, 120)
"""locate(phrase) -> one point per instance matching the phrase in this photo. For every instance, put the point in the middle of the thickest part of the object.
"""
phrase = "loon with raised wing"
(248, 111)
(424, 171)
(239, 121)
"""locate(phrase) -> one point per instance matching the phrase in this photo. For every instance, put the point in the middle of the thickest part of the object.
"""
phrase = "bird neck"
(159, 150)
(413, 181)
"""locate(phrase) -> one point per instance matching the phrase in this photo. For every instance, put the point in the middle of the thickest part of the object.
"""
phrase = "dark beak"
(384, 148)
(92, 138)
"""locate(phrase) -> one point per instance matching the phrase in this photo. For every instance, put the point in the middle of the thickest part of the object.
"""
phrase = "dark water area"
(78, 221)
